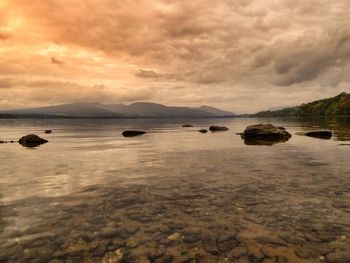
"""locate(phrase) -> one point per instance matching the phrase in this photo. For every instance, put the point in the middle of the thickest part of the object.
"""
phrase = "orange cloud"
(214, 50)
(57, 61)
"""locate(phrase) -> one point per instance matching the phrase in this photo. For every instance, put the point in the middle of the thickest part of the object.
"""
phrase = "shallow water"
(174, 194)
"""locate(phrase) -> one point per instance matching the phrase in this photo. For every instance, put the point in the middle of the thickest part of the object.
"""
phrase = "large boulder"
(132, 133)
(218, 128)
(317, 134)
(265, 134)
(32, 140)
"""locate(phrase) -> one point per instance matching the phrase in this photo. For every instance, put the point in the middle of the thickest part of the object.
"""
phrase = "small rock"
(156, 253)
(310, 237)
(176, 225)
(270, 240)
(114, 257)
(227, 246)
(131, 229)
(188, 257)
(187, 125)
(48, 131)
(209, 245)
(164, 241)
(32, 140)
(56, 261)
(174, 237)
(303, 253)
(191, 238)
(317, 134)
(161, 228)
(238, 252)
(4, 256)
(226, 237)
(6, 141)
(203, 131)
(108, 232)
(100, 251)
(132, 133)
(218, 128)
(339, 257)
(168, 258)
(132, 242)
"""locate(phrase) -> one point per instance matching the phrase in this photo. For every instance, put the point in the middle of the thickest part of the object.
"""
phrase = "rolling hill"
(335, 106)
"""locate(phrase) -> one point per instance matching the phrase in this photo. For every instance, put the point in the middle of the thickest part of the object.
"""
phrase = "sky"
(238, 55)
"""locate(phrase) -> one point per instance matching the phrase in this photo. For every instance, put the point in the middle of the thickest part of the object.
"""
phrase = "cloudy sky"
(240, 55)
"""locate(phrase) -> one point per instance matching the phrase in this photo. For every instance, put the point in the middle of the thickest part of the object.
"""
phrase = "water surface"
(174, 194)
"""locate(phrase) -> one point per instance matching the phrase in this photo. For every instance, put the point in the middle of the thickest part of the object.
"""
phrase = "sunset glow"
(238, 55)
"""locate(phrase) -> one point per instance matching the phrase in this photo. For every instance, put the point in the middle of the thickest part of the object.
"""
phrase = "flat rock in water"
(32, 140)
(187, 125)
(317, 134)
(264, 134)
(218, 128)
(132, 133)
(203, 131)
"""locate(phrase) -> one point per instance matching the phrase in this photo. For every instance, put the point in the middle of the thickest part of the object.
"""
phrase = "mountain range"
(335, 106)
(135, 110)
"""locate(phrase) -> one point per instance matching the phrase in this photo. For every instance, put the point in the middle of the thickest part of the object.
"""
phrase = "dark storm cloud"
(307, 59)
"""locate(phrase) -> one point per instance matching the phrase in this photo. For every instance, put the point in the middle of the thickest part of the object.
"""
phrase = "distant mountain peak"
(137, 109)
(216, 111)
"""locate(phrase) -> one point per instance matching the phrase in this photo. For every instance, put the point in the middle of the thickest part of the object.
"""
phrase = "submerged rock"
(218, 128)
(317, 134)
(32, 140)
(132, 133)
(174, 237)
(339, 257)
(187, 125)
(48, 131)
(203, 131)
(264, 134)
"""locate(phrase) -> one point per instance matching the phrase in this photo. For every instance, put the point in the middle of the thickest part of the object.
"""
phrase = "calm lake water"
(174, 194)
